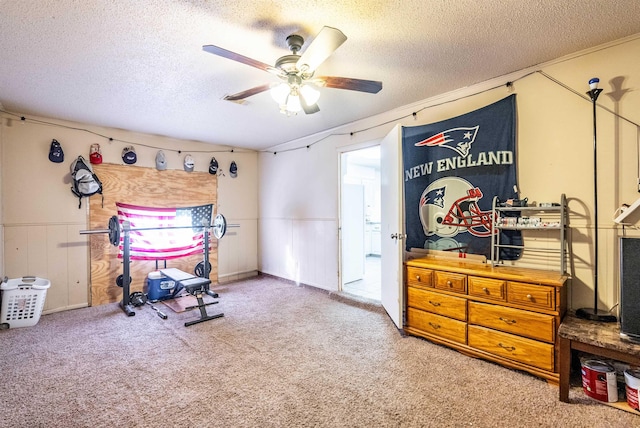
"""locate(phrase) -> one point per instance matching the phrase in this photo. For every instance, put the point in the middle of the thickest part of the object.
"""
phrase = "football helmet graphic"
(449, 206)
(445, 244)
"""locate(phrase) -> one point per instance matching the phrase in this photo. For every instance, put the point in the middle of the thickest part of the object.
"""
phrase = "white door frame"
(342, 150)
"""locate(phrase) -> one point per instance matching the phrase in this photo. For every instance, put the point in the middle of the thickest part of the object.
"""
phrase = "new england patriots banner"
(452, 171)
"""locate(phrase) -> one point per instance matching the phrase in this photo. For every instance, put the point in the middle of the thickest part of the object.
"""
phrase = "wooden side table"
(597, 338)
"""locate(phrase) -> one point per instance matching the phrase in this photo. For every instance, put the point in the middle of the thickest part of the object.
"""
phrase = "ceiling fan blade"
(309, 109)
(249, 92)
(370, 86)
(216, 50)
(326, 42)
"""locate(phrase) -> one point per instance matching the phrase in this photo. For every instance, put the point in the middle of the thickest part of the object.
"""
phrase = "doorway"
(360, 222)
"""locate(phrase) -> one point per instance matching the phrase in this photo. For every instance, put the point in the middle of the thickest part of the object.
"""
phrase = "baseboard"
(236, 276)
(65, 308)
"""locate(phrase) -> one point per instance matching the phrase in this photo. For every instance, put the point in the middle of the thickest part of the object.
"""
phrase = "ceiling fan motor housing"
(295, 43)
(288, 63)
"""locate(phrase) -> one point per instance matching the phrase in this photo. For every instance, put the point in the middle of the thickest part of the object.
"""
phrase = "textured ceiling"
(139, 65)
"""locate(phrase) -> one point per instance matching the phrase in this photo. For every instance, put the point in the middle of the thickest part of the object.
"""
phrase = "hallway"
(370, 286)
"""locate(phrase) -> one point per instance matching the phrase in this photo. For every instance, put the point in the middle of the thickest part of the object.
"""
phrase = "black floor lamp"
(594, 313)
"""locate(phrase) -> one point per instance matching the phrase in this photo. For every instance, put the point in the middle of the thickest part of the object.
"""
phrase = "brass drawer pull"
(507, 320)
(449, 284)
(508, 348)
(436, 304)
(485, 289)
(530, 297)
(435, 326)
(418, 278)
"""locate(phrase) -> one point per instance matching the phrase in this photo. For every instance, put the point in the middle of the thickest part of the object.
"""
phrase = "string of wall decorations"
(24, 119)
(508, 85)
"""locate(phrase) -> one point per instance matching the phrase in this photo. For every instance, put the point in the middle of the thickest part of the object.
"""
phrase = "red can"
(599, 381)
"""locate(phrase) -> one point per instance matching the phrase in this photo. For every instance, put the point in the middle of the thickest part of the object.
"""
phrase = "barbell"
(219, 228)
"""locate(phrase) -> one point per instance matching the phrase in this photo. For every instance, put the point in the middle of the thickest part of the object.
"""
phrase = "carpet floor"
(282, 356)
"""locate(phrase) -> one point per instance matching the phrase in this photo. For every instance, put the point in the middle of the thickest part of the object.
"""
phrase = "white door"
(352, 233)
(391, 215)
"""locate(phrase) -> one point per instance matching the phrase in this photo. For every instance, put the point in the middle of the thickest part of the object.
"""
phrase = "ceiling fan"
(297, 90)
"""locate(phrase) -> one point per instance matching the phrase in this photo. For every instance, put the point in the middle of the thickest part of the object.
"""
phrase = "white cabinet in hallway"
(372, 239)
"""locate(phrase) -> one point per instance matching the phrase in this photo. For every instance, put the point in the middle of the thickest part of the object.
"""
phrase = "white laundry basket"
(22, 301)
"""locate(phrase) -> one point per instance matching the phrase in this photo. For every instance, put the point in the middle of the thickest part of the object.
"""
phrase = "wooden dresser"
(503, 314)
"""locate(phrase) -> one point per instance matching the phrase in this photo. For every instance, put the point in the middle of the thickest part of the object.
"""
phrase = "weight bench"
(197, 287)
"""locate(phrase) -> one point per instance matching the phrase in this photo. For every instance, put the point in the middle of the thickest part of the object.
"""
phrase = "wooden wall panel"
(56, 256)
(77, 272)
(148, 187)
(56, 252)
(16, 250)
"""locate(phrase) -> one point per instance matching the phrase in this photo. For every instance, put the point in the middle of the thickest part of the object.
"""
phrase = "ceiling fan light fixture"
(293, 103)
(280, 93)
(310, 94)
(288, 97)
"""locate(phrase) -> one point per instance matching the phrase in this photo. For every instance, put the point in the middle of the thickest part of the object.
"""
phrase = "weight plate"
(114, 231)
(137, 298)
(199, 270)
(120, 280)
(219, 226)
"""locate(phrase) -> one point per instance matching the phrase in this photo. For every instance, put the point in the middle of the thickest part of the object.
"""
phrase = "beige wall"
(299, 188)
(40, 216)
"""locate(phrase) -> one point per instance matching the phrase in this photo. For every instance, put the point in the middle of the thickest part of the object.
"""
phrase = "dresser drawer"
(527, 351)
(523, 323)
(437, 303)
(495, 289)
(450, 281)
(417, 277)
(437, 325)
(534, 296)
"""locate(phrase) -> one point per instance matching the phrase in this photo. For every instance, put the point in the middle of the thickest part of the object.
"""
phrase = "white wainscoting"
(304, 251)
(238, 250)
